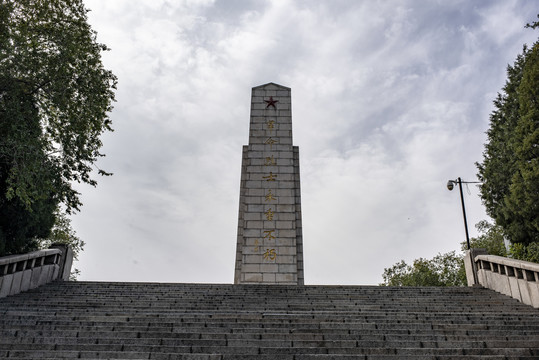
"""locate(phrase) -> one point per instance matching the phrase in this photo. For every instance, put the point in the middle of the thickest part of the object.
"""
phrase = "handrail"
(527, 265)
(27, 271)
(10, 259)
(516, 278)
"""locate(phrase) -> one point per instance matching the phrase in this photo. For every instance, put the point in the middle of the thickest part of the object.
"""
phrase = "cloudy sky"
(390, 99)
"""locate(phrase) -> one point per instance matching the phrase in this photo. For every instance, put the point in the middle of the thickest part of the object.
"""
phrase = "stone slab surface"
(515, 278)
(203, 321)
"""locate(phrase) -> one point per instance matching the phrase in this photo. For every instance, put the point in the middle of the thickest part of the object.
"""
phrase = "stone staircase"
(93, 320)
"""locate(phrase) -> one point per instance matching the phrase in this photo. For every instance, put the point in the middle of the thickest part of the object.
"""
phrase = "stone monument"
(270, 246)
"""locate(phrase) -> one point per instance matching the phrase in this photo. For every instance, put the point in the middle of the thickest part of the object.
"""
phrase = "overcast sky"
(390, 99)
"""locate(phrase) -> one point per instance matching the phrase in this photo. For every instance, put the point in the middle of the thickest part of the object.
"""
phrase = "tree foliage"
(21, 223)
(490, 238)
(448, 269)
(523, 200)
(442, 270)
(528, 252)
(62, 233)
(510, 168)
(50, 63)
(55, 97)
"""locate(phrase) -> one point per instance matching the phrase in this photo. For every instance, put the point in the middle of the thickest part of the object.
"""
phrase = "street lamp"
(450, 186)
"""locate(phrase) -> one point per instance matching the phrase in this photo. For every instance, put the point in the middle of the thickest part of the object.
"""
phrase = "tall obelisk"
(270, 245)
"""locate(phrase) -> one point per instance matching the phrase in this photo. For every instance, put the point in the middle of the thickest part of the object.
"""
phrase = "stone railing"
(516, 278)
(27, 271)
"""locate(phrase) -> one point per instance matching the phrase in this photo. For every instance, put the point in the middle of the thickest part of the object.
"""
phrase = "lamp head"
(450, 185)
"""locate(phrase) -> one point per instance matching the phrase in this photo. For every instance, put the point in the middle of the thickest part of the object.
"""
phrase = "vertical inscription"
(271, 254)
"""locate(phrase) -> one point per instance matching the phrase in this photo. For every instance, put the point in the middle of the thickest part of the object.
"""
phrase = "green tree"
(55, 97)
(528, 252)
(522, 202)
(448, 269)
(62, 233)
(442, 270)
(21, 223)
(510, 168)
(490, 238)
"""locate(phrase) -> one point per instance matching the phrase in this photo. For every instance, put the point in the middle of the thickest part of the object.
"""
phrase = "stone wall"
(516, 278)
(19, 273)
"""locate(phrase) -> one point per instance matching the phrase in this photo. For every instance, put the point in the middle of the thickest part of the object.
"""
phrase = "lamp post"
(450, 186)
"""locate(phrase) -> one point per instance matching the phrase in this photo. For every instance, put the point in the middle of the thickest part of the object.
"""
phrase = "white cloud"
(389, 102)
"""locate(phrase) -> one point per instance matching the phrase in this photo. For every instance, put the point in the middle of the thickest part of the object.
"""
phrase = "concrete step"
(89, 344)
(207, 321)
(138, 355)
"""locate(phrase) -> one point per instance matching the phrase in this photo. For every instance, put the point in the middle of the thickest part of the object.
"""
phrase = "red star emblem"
(271, 102)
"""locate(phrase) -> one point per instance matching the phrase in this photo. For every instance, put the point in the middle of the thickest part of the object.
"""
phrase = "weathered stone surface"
(105, 320)
(269, 225)
(516, 278)
(20, 273)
